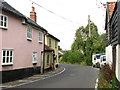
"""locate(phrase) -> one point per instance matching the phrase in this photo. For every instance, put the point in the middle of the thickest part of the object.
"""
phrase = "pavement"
(33, 78)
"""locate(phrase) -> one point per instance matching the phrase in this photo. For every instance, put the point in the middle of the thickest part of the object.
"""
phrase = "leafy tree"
(84, 46)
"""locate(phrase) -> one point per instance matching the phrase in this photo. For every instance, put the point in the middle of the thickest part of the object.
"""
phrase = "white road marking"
(36, 80)
(96, 84)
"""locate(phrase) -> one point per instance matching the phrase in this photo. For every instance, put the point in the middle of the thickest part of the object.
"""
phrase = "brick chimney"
(33, 14)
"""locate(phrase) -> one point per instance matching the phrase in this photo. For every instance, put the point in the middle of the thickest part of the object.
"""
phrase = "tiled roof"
(47, 48)
(6, 7)
(111, 7)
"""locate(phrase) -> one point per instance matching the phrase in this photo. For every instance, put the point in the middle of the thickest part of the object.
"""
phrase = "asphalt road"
(75, 76)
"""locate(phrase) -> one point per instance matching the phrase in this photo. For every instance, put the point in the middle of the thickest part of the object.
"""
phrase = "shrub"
(107, 78)
(73, 57)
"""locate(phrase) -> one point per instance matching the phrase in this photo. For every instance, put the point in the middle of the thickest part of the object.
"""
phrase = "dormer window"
(3, 21)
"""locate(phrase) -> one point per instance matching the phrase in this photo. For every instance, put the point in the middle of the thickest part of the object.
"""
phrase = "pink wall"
(15, 37)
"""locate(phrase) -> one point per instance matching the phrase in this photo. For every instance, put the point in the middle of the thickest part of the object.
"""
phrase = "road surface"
(75, 76)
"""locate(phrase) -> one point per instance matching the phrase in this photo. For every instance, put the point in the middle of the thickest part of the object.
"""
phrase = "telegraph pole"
(89, 25)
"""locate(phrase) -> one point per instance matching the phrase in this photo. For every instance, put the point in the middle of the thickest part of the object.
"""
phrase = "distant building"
(51, 51)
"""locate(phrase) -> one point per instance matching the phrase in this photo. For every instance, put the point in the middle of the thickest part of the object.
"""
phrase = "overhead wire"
(54, 12)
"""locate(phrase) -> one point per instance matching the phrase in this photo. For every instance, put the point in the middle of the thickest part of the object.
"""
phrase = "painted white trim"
(118, 62)
(40, 37)
(29, 32)
(9, 63)
(34, 53)
(4, 21)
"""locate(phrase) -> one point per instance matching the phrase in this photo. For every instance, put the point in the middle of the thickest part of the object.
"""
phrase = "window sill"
(34, 63)
(40, 42)
(7, 64)
(29, 39)
(5, 28)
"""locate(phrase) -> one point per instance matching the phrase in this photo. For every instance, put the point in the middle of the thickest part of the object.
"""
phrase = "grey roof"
(48, 34)
(6, 7)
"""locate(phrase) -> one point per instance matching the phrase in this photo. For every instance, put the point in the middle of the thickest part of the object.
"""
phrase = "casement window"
(34, 57)
(56, 58)
(49, 41)
(40, 37)
(7, 57)
(55, 44)
(3, 21)
(29, 32)
(47, 59)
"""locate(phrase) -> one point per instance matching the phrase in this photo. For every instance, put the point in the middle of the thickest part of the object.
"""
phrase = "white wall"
(118, 62)
(109, 56)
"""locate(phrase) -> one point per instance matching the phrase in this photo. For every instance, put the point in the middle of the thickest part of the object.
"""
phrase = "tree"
(84, 46)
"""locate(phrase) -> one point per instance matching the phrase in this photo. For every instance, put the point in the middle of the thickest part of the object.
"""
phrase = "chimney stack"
(33, 14)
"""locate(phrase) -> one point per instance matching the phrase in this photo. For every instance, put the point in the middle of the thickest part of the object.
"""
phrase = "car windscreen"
(98, 56)
(104, 58)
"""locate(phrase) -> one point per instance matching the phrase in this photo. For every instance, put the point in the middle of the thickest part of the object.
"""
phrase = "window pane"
(7, 53)
(10, 53)
(5, 18)
(47, 59)
(1, 23)
(1, 17)
(34, 57)
(3, 53)
(3, 59)
(5, 24)
(50, 42)
(56, 58)
(7, 59)
(10, 59)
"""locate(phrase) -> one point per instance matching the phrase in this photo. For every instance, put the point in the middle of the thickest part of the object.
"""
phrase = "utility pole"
(89, 25)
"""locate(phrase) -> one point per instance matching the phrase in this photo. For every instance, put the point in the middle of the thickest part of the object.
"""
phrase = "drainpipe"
(44, 53)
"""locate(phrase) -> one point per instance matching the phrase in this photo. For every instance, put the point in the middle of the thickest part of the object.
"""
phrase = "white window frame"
(29, 31)
(34, 54)
(7, 50)
(40, 37)
(4, 21)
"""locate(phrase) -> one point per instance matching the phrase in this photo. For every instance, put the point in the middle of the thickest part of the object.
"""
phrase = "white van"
(96, 60)
(103, 60)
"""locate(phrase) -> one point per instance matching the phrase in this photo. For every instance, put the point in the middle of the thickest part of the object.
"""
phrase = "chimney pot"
(33, 9)
(33, 14)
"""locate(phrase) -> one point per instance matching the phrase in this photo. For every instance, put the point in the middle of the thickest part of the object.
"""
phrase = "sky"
(68, 16)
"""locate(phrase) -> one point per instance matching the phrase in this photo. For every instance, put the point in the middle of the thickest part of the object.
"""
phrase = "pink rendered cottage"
(21, 44)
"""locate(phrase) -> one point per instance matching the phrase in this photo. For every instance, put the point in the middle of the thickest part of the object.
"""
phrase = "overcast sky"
(76, 11)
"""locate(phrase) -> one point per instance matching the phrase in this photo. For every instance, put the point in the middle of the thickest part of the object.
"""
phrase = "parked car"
(103, 60)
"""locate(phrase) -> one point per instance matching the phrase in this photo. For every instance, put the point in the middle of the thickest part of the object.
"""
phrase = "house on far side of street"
(51, 51)
(21, 43)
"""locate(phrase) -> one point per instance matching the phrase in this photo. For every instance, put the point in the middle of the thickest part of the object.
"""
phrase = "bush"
(73, 57)
(107, 78)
